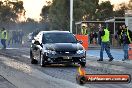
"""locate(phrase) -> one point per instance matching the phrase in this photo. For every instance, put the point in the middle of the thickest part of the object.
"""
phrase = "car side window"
(43, 39)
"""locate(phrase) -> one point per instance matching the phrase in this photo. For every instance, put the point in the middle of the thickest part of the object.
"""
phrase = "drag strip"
(67, 73)
(24, 76)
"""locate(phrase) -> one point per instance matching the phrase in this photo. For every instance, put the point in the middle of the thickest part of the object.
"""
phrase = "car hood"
(64, 46)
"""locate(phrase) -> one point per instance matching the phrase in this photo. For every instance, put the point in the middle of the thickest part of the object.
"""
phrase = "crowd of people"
(93, 36)
(10, 37)
(124, 36)
(16, 37)
(103, 38)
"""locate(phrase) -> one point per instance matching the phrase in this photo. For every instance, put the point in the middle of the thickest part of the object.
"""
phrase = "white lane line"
(10, 48)
(27, 56)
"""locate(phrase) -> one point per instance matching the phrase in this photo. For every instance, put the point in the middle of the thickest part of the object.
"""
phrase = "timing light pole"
(71, 15)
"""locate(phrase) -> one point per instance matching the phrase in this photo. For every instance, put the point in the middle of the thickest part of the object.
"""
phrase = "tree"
(120, 12)
(9, 11)
(45, 11)
(130, 5)
(30, 20)
(104, 10)
(58, 12)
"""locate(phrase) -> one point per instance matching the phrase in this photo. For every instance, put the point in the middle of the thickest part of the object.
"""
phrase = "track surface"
(69, 72)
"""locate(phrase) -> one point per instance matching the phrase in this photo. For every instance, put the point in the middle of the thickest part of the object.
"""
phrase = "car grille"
(66, 52)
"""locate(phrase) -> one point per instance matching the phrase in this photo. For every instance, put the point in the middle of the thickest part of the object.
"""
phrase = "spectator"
(95, 37)
(91, 36)
(105, 44)
(125, 36)
(4, 37)
(99, 35)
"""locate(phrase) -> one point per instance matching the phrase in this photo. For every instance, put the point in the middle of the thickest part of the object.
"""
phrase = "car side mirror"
(40, 46)
(79, 41)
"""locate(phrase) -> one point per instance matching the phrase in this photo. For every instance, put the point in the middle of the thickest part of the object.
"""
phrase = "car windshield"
(59, 38)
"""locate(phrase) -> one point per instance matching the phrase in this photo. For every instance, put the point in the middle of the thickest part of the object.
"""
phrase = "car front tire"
(42, 60)
(33, 61)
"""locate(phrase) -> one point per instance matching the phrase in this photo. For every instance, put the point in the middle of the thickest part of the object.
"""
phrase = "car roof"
(54, 32)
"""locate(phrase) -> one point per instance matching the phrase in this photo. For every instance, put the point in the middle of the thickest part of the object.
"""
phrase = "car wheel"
(80, 79)
(33, 61)
(83, 64)
(42, 60)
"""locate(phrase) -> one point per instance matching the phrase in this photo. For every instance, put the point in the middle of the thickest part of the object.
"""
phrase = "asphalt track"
(68, 73)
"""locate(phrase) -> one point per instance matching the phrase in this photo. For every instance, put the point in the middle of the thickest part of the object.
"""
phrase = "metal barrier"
(84, 39)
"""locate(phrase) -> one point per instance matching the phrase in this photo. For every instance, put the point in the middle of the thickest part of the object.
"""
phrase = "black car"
(57, 47)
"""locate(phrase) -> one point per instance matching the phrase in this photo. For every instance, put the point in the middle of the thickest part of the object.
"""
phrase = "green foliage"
(130, 5)
(120, 12)
(30, 20)
(17, 6)
(45, 12)
(104, 11)
(9, 10)
(57, 13)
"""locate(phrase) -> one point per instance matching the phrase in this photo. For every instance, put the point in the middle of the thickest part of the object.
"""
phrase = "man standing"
(21, 36)
(3, 38)
(84, 30)
(91, 36)
(99, 34)
(105, 44)
(95, 37)
(125, 36)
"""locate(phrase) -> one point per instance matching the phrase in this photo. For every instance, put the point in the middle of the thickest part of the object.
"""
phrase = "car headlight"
(80, 51)
(51, 52)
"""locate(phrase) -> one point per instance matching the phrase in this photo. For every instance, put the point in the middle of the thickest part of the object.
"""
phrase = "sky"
(33, 7)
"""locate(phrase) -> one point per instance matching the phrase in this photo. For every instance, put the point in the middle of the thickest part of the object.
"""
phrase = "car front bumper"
(66, 58)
